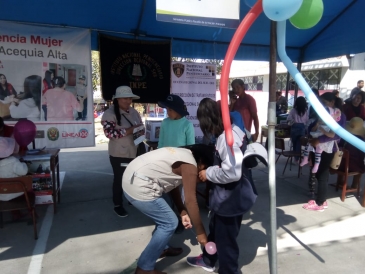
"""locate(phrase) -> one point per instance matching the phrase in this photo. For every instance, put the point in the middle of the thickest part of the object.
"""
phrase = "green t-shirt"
(175, 133)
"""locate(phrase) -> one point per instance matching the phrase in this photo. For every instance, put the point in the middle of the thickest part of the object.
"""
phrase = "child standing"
(175, 130)
(231, 194)
(318, 130)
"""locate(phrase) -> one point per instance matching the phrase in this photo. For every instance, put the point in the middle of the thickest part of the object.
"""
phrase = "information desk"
(50, 155)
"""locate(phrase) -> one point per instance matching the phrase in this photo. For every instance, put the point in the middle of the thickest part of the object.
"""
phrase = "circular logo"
(83, 133)
(53, 133)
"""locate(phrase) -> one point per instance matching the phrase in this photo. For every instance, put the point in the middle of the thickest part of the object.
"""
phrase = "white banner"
(45, 76)
(193, 82)
(212, 13)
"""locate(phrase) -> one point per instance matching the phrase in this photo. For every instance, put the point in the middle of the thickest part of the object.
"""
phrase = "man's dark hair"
(358, 82)
(203, 154)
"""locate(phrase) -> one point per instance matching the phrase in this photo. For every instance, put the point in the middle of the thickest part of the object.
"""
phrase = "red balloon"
(210, 248)
(231, 52)
(24, 132)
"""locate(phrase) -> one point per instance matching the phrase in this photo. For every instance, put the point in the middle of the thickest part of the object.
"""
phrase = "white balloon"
(280, 10)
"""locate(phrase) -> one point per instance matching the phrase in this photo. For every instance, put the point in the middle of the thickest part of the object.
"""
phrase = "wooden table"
(51, 155)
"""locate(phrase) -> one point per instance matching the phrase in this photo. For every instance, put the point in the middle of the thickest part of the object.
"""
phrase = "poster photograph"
(45, 77)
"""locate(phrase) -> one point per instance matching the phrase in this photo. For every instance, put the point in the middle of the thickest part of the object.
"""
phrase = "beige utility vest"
(150, 174)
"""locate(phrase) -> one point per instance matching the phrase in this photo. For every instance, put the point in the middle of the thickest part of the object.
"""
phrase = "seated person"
(357, 157)
(10, 166)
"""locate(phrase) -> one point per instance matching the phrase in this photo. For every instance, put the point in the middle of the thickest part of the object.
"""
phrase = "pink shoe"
(313, 202)
(312, 205)
(315, 168)
(304, 161)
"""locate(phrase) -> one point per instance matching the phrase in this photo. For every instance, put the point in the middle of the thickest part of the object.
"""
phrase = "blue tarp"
(339, 32)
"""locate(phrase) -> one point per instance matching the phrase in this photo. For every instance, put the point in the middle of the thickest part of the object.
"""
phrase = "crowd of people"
(162, 183)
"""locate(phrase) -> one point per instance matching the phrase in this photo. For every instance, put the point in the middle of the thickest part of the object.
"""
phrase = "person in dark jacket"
(353, 106)
(232, 194)
(357, 157)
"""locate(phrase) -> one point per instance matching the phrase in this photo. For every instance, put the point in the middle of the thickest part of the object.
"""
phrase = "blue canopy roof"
(339, 32)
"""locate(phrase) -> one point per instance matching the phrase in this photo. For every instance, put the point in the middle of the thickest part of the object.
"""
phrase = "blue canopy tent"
(338, 33)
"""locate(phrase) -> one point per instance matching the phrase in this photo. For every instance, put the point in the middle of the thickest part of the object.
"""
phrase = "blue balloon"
(280, 10)
(250, 3)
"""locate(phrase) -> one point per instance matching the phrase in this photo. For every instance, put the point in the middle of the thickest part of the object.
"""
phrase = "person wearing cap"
(10, 166)
(231, 195)
(60, 102)
(356, 156)
(175, 130)
(353, 106)
(81, 92)
(151, 175)
(116, 122)
(246, 106)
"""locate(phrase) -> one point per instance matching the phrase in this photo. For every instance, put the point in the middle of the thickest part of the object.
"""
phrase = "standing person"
(281, 104)
(81, 92)
(246, 106)
(60, 102)
(231, 194)
(161, 171)
(28, 103)
(297, 119)
(6, 89)
(47, 84)
(360, 84)
(336, 92)
(353, 106)
(175, 130)
(116, 122)
(232, 99)
(328, 99)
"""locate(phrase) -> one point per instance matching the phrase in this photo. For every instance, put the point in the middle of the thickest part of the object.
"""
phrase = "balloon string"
(241, 31)
(313, 100)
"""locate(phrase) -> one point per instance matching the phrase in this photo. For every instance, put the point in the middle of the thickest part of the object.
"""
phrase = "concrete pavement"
(86, 236)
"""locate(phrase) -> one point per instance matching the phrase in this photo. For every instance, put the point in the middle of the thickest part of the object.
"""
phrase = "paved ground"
(85, 236)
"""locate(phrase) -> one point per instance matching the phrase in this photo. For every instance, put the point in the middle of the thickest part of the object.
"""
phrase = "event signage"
(209, 13)
(144, 66)
(34, 62)
(193, 82)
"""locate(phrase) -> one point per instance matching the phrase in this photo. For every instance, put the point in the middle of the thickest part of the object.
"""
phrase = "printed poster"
(45, 77)
(193, 82)
(209, 13)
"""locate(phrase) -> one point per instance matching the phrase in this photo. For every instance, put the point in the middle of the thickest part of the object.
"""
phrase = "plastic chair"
(280, 145)
(344, 176)
(16, 185)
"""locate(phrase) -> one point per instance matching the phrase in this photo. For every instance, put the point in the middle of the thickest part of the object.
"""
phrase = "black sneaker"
(120, 211)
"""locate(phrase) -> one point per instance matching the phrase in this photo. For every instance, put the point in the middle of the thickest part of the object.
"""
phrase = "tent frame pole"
(271, 149)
